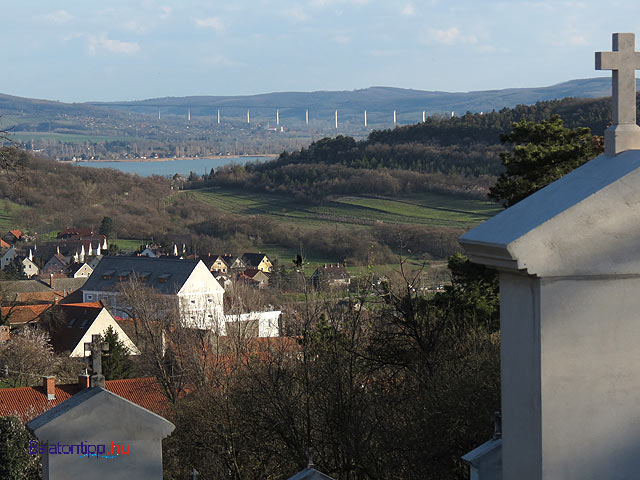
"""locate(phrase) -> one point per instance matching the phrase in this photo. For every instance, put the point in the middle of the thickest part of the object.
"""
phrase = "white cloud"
(388, 52)
(61, 16)
(486, 49)
(452, 36)
(327, 3)
(342, 39)
(408, 10)
(577, 40)
(297, 14)
(104, 43)
(165, 11)
(221, 61)
(211, 22)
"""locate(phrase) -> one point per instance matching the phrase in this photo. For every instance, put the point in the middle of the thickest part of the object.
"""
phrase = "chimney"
(49, 385)
(51, 281)
(83, 381)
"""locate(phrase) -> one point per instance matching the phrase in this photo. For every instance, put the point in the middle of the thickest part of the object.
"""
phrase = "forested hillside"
(460, 155)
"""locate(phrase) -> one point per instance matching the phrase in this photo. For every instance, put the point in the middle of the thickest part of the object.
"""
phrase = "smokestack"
(336, 119)
(277, 117)
(189, 116)
(49, 386)
(424, 116)
(365, 118)
(395, 118)
(84, 381)
(248, 117)
(218, 116)
(307, 116)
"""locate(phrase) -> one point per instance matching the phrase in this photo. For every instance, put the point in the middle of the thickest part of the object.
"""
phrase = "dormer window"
(124, 275)
(164, 278)
(144, 275)
(108, 274)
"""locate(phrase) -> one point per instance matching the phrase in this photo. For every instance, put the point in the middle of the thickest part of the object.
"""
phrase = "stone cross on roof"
(96, 347)
(624, 134)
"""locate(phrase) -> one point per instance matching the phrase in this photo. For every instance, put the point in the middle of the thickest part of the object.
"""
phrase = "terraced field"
(431, 209)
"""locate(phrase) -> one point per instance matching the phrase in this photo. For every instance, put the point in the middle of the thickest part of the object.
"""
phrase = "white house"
(199, 295)
(79, 323)
(254, 324)
(7, 256)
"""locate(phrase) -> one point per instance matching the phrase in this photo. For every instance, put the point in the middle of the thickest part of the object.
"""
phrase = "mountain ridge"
(350, 103)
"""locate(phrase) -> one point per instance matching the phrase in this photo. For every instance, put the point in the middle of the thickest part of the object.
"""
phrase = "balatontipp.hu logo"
(83, 449)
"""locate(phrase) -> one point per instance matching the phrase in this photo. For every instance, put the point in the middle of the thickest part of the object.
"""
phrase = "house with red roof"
(27, 403)
(12, 236)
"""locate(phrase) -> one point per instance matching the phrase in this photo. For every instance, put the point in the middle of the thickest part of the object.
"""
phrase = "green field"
(432, 209)
(10, 216)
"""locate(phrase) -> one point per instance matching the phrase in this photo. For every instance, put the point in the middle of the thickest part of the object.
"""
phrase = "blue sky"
(135, 49)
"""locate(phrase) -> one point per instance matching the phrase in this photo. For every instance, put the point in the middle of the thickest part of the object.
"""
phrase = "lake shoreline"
(171, 159)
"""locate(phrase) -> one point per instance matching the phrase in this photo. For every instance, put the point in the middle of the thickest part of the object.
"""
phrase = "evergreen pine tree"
(115, 363)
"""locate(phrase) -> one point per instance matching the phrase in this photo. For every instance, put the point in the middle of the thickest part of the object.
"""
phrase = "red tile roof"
(16, 233)
(28, 402)
(21, 314)
(4, 244)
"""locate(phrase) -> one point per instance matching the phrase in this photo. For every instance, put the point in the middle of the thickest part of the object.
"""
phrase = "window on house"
(71, 322)
(84, 323)
(193, 301)
(209, 300)
(164, 278)
(124, 275)
(89, 297)
(144, 275)
(108, 274)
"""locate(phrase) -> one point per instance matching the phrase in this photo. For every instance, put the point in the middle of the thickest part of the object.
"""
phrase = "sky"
(76, 51)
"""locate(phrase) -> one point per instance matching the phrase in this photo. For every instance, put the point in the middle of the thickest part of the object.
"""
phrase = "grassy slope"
(430, 209)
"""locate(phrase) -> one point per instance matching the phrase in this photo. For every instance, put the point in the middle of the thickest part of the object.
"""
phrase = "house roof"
(332, 272)
(75, 232)
(64, 261)
(209, 260)
(16, 233)
(75, 266)
(253, 259)
(29, 402)
(230, 259)
(29, 286)
(72, 322)
(310, 473)
(253, 272)
(165, 275)
(21, 314)
(4, 244)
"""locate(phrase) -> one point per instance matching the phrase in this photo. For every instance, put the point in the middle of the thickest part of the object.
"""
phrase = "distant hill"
(379, 102)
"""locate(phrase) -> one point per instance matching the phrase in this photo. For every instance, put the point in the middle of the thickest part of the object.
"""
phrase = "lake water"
(171, 167)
